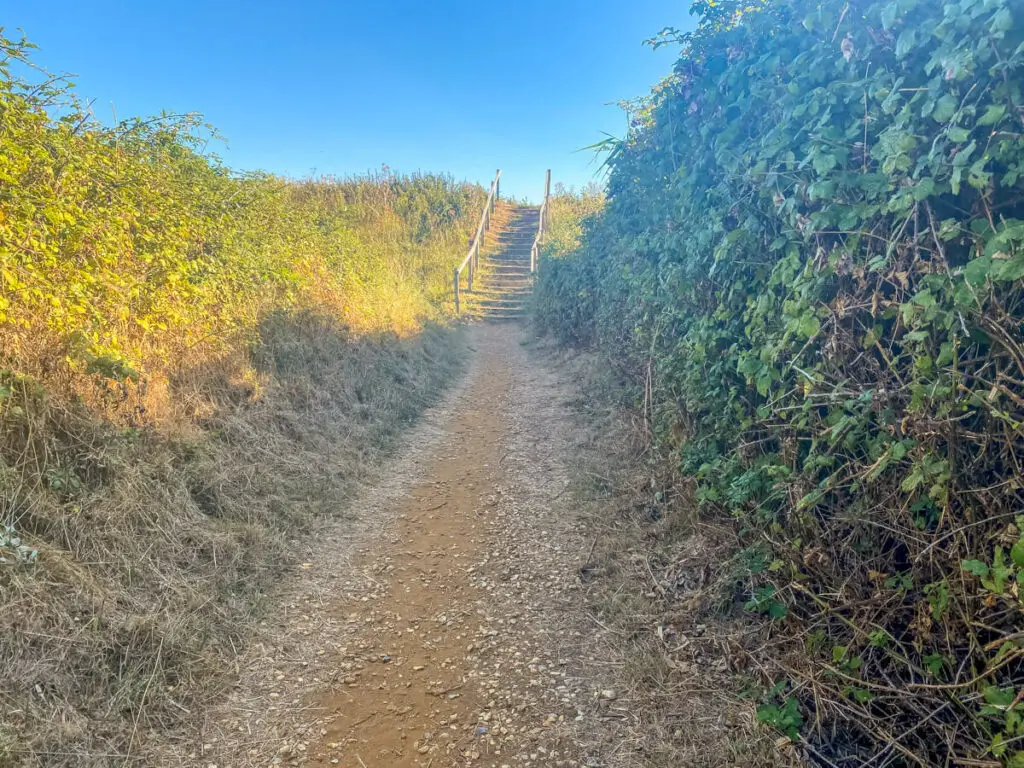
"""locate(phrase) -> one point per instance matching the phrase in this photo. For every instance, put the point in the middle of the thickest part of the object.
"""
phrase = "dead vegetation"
(662, 597)
(155, 550)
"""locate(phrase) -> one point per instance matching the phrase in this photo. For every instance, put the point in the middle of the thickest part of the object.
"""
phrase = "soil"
(442, 623)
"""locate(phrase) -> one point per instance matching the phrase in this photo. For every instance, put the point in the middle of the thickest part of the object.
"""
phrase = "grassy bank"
(197, 367)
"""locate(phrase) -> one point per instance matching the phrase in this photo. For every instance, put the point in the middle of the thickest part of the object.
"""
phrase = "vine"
(812, 258)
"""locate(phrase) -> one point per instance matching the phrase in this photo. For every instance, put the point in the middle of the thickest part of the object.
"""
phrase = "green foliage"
(128, 247)
(569, 210)
(810, 268)
(764, 602)
(786, 717)
(571, 213)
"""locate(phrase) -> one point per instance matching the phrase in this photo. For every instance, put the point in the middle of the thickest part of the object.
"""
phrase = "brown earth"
(413, 694)
(441, 626)
(443, 622)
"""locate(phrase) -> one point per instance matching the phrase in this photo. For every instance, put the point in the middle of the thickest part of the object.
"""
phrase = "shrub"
(810, 268)
(570, 213)
(127, 249)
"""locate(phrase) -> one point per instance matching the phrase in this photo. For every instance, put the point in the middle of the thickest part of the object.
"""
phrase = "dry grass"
(660, 588)
(158, 548)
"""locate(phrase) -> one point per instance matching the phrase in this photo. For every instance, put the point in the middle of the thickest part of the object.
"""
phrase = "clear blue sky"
(311, 86)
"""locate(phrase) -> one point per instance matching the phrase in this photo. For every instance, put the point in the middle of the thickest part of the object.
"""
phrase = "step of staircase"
(503, 285)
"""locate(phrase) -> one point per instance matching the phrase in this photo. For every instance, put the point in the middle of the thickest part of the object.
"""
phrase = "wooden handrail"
(472, 259)
(541, 225)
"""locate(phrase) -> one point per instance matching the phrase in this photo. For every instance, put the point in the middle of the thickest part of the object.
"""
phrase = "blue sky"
(311, 86)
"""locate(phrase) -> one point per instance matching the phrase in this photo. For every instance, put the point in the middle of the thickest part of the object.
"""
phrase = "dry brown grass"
(660, 590)
(158, 547)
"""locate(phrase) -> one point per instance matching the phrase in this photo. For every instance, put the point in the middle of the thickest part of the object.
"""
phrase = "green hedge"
(128, 250)
(814, 241)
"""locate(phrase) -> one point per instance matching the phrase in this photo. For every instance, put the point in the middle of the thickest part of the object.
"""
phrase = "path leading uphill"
(442, 626)
(504, 283)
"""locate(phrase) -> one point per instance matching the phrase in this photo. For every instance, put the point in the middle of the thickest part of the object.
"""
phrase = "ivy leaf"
(958, 135)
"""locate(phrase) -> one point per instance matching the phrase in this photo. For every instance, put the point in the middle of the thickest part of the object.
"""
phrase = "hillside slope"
(197, 367)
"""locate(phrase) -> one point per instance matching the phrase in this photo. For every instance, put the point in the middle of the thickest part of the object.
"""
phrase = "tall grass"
(197, 368)
(126, 249)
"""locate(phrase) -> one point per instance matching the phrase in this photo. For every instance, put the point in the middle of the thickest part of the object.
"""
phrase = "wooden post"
(547, 195)
(455, 276)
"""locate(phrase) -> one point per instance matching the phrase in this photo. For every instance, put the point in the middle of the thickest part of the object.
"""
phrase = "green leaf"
(1008, 269)
(975, 567)
(890, 12)
(1002, 21)
(1017, 554)
(786, 718)
(905, 42)
(945, 108)
(934, 663)
(924, 189)
(924, 298)
(1001, 572)
(998, 697)
(823, 163)
(977, 270)
(809, 325)
(992, 115)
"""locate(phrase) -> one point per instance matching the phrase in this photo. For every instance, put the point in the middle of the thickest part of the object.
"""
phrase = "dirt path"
(440, 627)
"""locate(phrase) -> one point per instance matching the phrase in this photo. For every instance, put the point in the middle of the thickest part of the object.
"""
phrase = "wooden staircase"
(504, 282)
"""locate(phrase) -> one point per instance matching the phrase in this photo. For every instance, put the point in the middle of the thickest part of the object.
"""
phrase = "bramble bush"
(570, 213)
(126, 249)
(810, 269)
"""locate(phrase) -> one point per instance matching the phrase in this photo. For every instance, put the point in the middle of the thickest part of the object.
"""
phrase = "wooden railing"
(542, 224)
(471, 263)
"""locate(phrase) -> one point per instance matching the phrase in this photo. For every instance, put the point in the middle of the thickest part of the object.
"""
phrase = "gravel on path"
(445, 625)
